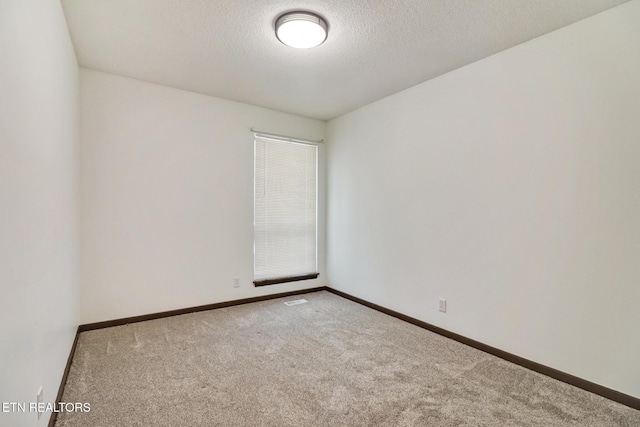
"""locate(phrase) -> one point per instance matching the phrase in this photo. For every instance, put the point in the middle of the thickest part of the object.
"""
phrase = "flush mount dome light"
(301, 30)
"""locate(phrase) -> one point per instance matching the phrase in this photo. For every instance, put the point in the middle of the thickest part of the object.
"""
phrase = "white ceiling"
(227, 48)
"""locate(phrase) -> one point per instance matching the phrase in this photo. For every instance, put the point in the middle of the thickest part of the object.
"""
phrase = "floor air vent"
(295, 302)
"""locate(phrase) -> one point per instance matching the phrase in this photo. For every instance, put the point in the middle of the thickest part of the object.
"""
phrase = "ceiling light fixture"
(301, 30)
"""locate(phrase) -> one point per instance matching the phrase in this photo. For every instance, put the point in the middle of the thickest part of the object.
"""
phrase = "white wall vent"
(295, 302)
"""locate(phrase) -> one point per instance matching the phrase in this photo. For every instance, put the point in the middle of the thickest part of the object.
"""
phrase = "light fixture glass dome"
(301, 30)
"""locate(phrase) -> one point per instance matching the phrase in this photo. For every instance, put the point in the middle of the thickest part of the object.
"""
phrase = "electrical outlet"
(443, 305)
(236, 282)
(39, 401)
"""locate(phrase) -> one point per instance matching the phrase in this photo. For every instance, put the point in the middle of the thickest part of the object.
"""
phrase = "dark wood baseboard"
(152, 316)
(142, 318)
(63, 381)
(600, 390)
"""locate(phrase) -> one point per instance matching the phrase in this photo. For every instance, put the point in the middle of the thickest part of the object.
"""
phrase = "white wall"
(167, 197)
(38, 202)
(511, 187)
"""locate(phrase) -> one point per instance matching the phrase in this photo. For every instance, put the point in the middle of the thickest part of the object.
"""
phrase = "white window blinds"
(285, 215)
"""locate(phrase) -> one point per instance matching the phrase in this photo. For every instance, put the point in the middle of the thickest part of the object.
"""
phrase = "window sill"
(275, 281)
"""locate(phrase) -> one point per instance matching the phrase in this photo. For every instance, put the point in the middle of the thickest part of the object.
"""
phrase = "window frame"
(266, 138)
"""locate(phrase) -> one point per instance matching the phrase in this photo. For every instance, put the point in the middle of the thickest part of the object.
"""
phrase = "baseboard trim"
(152, 316)
(63, 381)
(600, 390)
(160, 315)
(589, 386)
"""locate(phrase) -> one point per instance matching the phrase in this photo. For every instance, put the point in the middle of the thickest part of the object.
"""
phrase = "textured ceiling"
(227, 48)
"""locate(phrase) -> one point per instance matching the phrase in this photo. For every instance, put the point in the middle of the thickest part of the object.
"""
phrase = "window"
(285, 211)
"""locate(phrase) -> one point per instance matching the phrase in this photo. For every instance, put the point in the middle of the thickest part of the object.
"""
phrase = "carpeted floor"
(329, 362)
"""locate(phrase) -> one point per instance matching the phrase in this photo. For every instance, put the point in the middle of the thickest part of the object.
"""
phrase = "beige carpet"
(329, 362)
